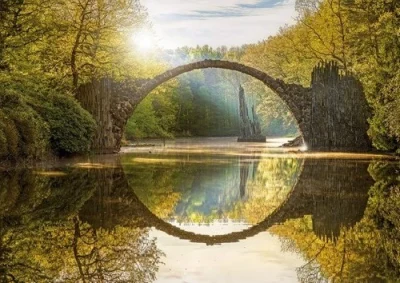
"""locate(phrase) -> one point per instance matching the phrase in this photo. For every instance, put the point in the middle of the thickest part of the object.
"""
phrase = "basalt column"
(339, 111)
(250, 130)
(109, 105)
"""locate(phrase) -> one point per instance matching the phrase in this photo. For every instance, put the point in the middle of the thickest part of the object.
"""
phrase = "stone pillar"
(109, 105)
(339, 111)
(250, 130)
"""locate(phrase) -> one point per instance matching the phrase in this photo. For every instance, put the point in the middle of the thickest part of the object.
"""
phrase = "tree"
(375, 48)
(360, 35)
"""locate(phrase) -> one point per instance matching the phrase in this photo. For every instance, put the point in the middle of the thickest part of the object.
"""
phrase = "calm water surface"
(203, 210)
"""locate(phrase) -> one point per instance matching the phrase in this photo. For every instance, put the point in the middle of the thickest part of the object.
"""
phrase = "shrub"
(34, 120)
(23, 133)
(3, 138)
(12, 136)
(71, 127)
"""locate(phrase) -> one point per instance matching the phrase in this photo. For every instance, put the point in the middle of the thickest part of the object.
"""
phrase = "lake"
(203, 210)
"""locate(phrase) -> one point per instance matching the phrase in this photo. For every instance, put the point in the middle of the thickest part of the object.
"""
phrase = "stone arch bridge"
(331, 114)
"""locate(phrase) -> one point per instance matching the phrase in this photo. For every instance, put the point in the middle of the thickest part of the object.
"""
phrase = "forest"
(49, 48)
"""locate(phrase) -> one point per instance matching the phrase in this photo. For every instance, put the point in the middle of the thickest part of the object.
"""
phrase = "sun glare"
(144, 41)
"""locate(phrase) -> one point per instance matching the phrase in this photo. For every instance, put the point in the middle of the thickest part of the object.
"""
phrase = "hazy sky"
(217, 22)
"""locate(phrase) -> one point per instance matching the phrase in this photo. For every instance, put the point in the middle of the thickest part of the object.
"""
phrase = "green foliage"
(51, 39)
(375, 51)
(154, 116)
(9, 137)
(379, 132)
(144, 122)
(59, 45)
(361, 36)
(31, 124)
(71, 127)
(23, 132)
(389, 113)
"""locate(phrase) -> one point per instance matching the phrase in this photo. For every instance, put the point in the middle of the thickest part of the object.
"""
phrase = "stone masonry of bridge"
(331, 114)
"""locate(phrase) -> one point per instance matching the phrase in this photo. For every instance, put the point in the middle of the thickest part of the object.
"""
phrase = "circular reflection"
(211, 195)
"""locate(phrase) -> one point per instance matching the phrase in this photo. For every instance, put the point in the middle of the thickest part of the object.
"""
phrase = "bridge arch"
(296, 97)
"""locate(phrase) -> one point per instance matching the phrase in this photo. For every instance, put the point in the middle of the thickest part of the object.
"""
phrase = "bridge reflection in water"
(97, 213)
(333, 192)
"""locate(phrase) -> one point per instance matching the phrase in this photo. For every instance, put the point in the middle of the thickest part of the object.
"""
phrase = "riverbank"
(230, 146)
(197, 146)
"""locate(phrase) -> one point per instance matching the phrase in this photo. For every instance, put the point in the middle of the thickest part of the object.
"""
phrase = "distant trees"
(205, 102)
(304, 6)
(155, 116)
(200, 103)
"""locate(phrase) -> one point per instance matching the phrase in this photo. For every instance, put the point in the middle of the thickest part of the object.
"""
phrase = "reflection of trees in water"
(268, 185)
(365, 248)
(42, 239)
(246, 169)
(82, 226)
(19, 191)
(121, 255)
(159, 187)
(384, 210)
(202, 190)
(72, 251)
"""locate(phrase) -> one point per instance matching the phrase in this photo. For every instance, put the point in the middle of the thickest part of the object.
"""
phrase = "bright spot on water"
(93, 165)
(50, 173)
(304, 147)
